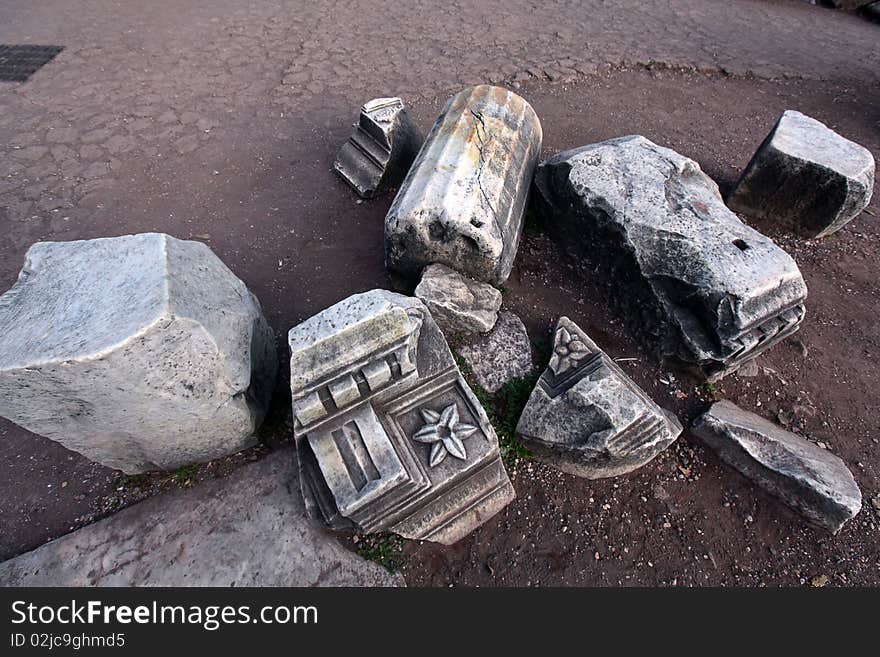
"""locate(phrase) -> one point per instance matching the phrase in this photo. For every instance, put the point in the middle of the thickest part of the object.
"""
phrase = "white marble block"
(140, 352)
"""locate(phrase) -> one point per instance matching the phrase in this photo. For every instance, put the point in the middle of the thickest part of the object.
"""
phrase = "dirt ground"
(268, 203)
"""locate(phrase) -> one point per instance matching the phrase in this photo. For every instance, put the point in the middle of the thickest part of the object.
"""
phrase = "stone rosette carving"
(389, 436)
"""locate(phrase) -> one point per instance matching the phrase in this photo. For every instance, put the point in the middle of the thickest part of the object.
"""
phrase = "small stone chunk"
(502, 355)
(587, 417)
(381, 149)
(809, 479)
(407, 448)
(807, 176)
(458, 304)
(697, 286)
(140, 352)
(462, 203)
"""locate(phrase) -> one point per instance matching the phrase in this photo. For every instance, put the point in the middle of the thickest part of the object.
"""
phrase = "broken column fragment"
(587, 417)
(811, 480)
(389, 435)
(140, 352)
(462, 202)
(806, 176)
(381, 149)
(457, 303)
(698, 286)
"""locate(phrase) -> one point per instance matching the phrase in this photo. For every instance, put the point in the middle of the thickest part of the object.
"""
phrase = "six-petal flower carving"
(569, 350)
(444, 433)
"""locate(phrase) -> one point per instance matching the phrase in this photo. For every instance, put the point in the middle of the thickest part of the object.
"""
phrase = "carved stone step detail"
(388, 434)
(587, 417)
(381, 149)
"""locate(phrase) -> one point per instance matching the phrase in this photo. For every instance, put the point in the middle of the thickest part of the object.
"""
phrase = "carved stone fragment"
(389, 435)
(457, 303)
(587, 417)
(381, 149)
(698, 286)
(140, 352)
(462, 202)
(809, 479)
(806, 176)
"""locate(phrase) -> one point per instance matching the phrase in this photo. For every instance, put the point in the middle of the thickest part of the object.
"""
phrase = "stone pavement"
(142, 81)
(249, 529)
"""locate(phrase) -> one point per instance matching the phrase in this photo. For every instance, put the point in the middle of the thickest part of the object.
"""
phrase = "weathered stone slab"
(389, 435)
(462, 203)
(587, 417)
(381, 149)
(806, 176)
(247, 529)
(698, 286)
(501, 356)
(458, 304)
(809, 479)
(141, 352)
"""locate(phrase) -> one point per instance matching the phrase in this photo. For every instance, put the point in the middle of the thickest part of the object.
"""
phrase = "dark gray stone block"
(806, 176)
(698, 286)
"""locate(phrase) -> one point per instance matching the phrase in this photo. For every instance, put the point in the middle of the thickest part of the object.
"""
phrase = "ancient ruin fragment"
(381, 149)
(457, 303)
(140, 352)
(462, 203)
(809, 479)
(587, 417)
(806, 176)
(389, 435)
(698, 286)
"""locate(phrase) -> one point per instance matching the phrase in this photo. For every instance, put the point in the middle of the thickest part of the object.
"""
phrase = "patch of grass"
(136, 481)
(383, 549)
(184, 473)
(504, 409)
(711, 390)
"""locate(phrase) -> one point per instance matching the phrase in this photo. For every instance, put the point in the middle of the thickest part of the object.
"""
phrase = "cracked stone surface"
(503, 354)
(588, 418)
(248, 529)
(806, 176)
(808, 478)
(141, 352)
(457, 303)
(462, 203)
(701, 288)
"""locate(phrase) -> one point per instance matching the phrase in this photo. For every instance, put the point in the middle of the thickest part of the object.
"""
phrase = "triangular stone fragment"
(587, 417)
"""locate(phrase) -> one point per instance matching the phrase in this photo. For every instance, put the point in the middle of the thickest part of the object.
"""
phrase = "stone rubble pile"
(145, 352)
